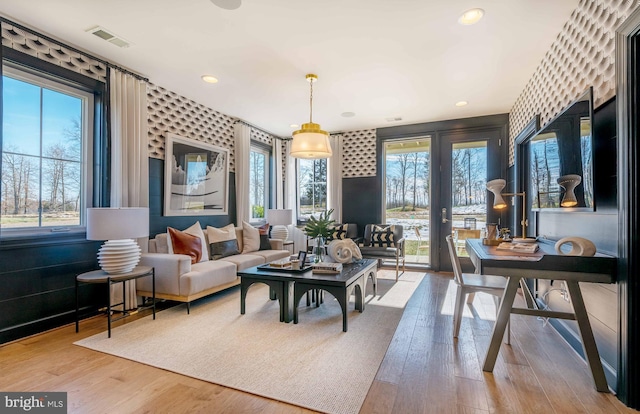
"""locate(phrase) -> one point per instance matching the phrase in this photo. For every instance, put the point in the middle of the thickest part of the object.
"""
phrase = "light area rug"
(312, 364)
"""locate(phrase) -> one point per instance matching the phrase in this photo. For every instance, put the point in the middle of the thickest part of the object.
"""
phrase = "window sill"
(18, 239)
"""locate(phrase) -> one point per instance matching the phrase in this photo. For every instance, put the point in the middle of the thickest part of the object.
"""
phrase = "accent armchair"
(384, 242)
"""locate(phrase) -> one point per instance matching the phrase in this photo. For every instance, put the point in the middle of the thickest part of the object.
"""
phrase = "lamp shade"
(569, 182)
(311, 142)
(117, 223)
(118, 226)
(496, 186)
(279, 217)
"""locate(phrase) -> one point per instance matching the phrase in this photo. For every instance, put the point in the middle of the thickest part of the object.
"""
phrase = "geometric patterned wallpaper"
(170, 112)
(359, 153)
(30, 43)
(582, 55)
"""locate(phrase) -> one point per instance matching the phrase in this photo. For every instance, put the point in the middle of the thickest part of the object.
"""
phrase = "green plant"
(321, 226)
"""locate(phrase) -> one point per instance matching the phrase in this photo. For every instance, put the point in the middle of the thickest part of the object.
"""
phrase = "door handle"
(444, 215)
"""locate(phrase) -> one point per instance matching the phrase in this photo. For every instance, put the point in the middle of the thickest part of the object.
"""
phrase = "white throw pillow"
(194, 230)
(223, 234)
(250, 238)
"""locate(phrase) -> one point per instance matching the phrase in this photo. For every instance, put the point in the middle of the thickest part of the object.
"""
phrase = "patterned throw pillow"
(383, 236)
(264, 237)
(338, 232)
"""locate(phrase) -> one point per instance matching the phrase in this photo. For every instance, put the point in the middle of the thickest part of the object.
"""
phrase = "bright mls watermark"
(33, 402)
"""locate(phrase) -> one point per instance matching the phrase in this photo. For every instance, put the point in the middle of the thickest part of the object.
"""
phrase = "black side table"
(100, 276)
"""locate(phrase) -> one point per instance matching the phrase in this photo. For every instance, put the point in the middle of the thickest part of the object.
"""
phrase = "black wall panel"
(601, 227)
(361, 201)
(38, 283)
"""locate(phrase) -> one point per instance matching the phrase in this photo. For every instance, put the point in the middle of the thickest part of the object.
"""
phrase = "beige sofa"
(179, 280)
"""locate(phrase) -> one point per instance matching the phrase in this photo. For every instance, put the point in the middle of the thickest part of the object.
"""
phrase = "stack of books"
(325, 267)
(283, 263)
(519, 247)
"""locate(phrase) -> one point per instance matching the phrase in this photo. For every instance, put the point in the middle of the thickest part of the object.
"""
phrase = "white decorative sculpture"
(344, 251)
(579, 246)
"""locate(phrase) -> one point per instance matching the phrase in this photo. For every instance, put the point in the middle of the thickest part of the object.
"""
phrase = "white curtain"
(129, 155)
(242, 134)
(277, 173)
(334, 178)
(290, 199)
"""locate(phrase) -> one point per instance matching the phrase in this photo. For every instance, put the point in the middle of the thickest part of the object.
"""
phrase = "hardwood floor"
(424, 371)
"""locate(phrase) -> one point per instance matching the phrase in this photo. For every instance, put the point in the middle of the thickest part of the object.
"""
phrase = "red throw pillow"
(185, 243)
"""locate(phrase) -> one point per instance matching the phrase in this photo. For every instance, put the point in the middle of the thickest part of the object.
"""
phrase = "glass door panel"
(468, 192)
(407, 194)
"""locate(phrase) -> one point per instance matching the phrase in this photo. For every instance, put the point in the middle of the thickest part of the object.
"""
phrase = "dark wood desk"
(544, 264)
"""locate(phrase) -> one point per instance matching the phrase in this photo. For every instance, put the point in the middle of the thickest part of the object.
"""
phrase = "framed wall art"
(196, 178)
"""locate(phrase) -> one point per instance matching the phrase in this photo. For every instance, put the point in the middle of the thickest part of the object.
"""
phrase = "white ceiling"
(376, 58)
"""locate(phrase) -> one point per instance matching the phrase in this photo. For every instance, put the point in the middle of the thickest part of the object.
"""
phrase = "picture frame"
(196, 178)
(302, 256)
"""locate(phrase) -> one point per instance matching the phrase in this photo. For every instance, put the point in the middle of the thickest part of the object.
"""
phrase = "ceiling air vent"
(104, 34)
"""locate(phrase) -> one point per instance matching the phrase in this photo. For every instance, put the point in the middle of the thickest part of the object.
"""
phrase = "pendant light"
(310, 141)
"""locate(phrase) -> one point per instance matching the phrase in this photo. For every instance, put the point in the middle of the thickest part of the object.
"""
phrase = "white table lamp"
(279, 219)
(118, 226)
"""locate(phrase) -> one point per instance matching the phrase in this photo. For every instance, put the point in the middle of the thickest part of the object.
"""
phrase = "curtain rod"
(260, 129)
(50, 39)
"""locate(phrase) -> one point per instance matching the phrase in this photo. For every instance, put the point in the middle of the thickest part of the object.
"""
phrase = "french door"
(467, 160)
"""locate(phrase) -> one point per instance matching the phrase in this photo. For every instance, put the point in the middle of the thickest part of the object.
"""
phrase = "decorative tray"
(283, 269)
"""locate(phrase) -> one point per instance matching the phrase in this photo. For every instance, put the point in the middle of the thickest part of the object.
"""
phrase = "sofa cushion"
(194, 230)
(207, 275)
(245, 260)
(224, 249)
(372, 251)
(272, 255)
(264, 237)
(222, 241)
(185, 243)
(251, 238)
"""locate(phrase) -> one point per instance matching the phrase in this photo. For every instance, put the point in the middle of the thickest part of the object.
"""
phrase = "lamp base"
(119, 256)
(280, 232)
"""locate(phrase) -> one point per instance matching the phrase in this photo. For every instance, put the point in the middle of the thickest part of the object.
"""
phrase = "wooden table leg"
(501, 323)
(588, 341)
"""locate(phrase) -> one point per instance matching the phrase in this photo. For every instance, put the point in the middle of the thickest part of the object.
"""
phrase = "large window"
(258, 182)
(312, 187)
(47, 135)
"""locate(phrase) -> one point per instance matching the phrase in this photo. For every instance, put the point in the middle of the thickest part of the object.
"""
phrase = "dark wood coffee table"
(289, 287)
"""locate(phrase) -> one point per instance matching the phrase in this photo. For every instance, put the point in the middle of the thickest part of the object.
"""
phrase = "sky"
(21, 115)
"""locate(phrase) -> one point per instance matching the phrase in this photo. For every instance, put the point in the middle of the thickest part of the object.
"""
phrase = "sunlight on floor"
(400, 293)
(483, 305)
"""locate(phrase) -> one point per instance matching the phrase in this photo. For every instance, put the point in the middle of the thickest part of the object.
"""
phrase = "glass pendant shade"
(496, 186)
(569, 183)
(310, 142)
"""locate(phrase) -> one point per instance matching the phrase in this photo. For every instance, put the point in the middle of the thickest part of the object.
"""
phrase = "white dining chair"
(469, 284)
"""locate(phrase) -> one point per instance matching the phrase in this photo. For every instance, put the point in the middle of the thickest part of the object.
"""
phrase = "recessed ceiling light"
(209, 79)
(294, 126)
(461, 103)
(348, 114)
(471, 16)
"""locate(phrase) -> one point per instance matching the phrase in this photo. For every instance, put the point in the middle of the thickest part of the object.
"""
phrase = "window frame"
(301, 219)
(95, 165)
(265, 150)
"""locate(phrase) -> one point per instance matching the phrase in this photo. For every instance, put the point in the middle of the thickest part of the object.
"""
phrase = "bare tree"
(16, 172)
(403, 169)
